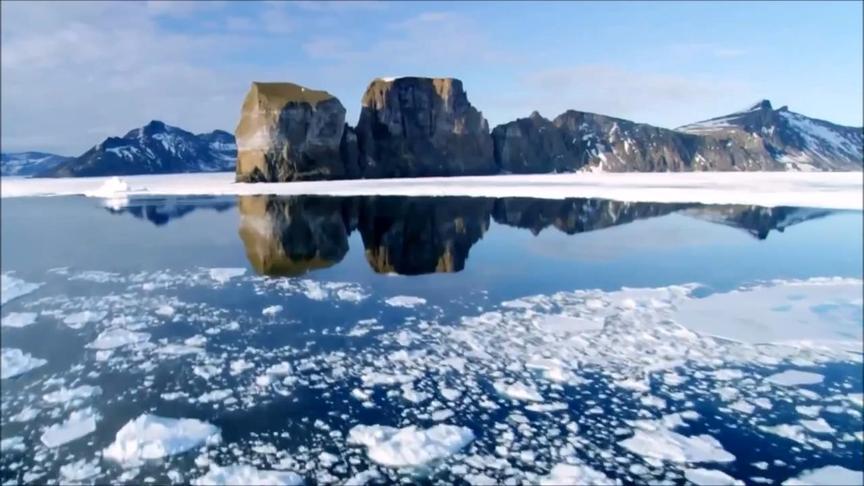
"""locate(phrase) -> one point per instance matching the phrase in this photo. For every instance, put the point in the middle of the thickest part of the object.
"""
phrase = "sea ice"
(66, 396)
(223, 275)
(154, 437)
(13, 287)
(79, 424)
(79, 470)
(518, 391)
(710, 477)
(115, 338)
(405, 301)
(18, 319)
(795, 377)
(664, 444)
(14, 362)
(576, 474)
(78, 319)
(409, 446)
(242, 474)
(271, 310)
(828, 476)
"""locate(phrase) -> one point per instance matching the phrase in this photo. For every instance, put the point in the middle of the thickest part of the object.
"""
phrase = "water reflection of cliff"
(162, 210)
(419, 235)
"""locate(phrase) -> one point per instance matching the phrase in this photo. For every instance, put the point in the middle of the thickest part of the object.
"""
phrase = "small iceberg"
(153, 437)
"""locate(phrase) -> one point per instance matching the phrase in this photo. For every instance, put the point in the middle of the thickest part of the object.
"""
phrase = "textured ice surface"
(18, 319)
(575, 474)
(409, 446)
(795, 377)
(12, 287)
(240, 474)
(405, 301)
(153, 437)
(829, 475)
(115, 338)
(77, 425)
(710, 477)
(14, 362)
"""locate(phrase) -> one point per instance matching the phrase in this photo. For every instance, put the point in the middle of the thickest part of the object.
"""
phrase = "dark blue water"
(333, 263)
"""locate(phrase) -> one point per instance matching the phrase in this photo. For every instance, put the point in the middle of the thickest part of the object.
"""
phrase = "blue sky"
(74, 73)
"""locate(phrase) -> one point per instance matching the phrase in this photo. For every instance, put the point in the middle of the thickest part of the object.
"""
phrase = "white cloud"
(660, 99)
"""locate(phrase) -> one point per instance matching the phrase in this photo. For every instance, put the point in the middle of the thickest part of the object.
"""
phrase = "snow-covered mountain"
(796, 141)
(29, 163)
(155, 148)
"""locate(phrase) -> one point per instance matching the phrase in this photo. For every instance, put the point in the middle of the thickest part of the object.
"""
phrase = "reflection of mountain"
(293, 235)
(419, 235)
(412, 236)
(160, 211)
(756, 220)
(573, 216)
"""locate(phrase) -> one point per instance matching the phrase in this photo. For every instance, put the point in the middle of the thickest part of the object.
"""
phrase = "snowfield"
(836, 190)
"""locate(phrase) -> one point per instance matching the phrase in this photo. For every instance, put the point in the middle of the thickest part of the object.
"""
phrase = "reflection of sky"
(507, 262)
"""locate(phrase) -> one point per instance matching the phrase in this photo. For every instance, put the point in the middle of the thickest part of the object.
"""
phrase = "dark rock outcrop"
(155, 148)
(421, 127)
(290, 133)
(533, 145)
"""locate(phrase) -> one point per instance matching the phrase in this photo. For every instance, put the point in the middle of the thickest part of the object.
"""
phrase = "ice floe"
(795, 378)
(710, 477)
(14, 362)
(657, 441)
(18, 319)
(576, 474)
(77, 320)
(115, 338)
(153, 437)
(405, 301)
(77, 425)
(223, 275)
(409, 446)
(242, 474)
(80, 470)
(828, 476)
(12, 287)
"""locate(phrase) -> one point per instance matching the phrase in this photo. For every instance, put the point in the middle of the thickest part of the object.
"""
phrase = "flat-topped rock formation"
(291, 133)
(421, 127)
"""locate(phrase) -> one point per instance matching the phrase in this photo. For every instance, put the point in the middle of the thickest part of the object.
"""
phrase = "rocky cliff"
(420, 127)
(290, 133)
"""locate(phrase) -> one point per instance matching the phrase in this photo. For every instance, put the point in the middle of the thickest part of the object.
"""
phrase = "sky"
(75, 73)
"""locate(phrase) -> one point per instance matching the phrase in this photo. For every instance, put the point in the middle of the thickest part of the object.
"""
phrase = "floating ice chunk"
(68, 395)
(196, 341)
(154, 437)
(13, 287)
(15, 443)
(710, 477)
(828, 475)
(450, 394)
(14, 362)
(18, 319)
(518, 391)
(26, 414)
(374, 378)
(405, 301)
(78, 319)
(575, 474)
(409, 446)
(795, 377)
(242, 474)
(80, 470)
(223, 275)
(165, 310)
(240, 365)
(178, 349)
(79, 424)
(271, 310)
(111, 188)
(819, 426)
(115, 338)
(214, 396)
(362, 478)
(727, 374)
(664, 444)
(742, 406)
(547, 407)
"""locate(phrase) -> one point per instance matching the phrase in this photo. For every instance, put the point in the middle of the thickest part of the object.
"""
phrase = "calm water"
(497, 326)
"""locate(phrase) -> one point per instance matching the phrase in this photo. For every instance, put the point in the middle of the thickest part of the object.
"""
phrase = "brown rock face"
(291, 133)
(422, 127)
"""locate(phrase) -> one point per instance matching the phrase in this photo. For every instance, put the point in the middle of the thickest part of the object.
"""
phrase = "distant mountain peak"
(761, 105)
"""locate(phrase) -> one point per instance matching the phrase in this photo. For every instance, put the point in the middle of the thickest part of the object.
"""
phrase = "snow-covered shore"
(836, 190)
